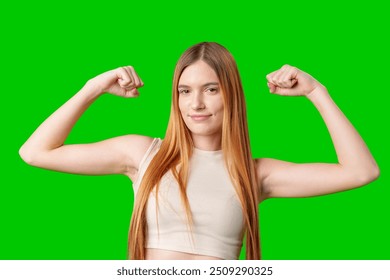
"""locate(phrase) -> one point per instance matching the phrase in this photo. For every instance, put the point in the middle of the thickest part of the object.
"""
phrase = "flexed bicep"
(118, 155)
(279, 178)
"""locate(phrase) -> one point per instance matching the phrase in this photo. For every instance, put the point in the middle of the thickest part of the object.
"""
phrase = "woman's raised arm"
(356, 166)
(45, 147)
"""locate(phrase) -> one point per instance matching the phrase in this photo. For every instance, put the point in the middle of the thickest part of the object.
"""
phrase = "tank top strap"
(145, 161)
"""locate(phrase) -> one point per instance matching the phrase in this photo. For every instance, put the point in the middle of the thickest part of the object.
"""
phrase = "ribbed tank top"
(217, 214)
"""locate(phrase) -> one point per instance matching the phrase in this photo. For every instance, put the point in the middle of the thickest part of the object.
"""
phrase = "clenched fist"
(291, 81)
(122, 81)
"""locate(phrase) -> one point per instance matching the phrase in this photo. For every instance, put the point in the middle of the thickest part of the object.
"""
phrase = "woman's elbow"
(375, 174)
(26, 155)
(370, 176)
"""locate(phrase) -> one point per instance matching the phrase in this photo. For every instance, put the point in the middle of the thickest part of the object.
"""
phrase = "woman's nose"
(197, 102)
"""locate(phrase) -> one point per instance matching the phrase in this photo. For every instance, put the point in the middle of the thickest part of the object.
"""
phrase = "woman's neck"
(208, 142)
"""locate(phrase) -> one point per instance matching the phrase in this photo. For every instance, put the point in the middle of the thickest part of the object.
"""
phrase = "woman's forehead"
(199, 73)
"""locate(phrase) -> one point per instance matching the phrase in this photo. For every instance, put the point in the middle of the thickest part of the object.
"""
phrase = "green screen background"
(50, 50)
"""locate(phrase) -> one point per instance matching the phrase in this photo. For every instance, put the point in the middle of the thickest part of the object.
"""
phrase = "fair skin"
(201, 105)
(356, 166)
(121, 155)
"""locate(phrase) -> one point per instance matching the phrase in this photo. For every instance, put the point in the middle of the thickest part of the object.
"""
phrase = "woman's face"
(200, 100)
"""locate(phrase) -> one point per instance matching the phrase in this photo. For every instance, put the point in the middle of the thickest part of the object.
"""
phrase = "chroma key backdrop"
(49, 51)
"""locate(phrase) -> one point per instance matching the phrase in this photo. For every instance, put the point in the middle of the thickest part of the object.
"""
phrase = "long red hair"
(177, 147)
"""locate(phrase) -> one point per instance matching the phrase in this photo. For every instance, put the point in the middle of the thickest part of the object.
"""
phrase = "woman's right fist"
(122, 81)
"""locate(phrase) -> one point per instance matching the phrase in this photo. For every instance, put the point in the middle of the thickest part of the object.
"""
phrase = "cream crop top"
(218, 227)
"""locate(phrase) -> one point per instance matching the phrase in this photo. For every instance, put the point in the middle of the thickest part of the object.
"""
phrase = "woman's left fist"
(291, 81)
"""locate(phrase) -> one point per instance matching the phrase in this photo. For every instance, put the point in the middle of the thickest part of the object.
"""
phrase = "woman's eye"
(212, 90)
(183, 91)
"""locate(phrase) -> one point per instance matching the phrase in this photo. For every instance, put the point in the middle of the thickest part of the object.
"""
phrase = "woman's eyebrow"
(205, 85)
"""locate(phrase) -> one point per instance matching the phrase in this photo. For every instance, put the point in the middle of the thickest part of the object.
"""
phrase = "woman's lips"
(199, 117)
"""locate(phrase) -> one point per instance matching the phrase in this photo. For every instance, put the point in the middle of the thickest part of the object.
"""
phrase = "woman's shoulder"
(145, 149)
(138, 147)
(147, 145)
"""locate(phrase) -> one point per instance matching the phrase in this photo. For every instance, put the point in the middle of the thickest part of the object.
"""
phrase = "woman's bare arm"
(356, 166)
(45, 148)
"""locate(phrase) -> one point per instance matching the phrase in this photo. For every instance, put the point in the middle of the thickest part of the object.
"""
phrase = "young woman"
(197, 191)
